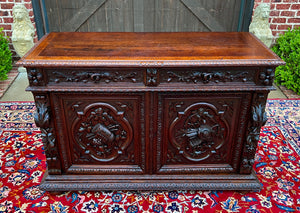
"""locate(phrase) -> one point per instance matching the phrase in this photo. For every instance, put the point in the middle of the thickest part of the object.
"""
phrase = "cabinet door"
(100, 133)
(203, 132)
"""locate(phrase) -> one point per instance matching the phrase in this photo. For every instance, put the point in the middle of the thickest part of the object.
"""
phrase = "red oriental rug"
(277, 165)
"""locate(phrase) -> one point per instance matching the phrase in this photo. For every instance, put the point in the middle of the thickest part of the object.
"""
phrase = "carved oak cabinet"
(150, 111)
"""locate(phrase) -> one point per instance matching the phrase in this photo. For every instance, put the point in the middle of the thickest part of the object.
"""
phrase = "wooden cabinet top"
(96, 49)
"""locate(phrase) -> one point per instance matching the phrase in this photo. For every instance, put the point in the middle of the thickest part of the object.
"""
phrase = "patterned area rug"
(277, 166)
(285, 115)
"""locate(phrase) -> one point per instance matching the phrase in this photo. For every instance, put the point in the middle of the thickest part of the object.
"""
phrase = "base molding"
(151, 182)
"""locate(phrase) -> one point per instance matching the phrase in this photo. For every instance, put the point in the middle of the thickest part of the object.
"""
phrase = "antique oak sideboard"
(150, 111)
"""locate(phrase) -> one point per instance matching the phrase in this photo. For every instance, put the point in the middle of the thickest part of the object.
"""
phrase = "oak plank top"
(98, 49)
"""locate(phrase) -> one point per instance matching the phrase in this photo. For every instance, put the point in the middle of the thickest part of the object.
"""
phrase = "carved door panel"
(203, 134)
(101, 133)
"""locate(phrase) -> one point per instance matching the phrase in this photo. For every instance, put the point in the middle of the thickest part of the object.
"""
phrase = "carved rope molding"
(42, 120)
(104, 171)
(128, 63)
(202, 170)
(243, 125)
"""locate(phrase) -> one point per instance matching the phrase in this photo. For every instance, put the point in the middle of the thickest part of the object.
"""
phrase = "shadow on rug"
(277, 166)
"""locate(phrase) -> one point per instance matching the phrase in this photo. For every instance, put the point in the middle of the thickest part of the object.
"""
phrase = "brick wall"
(6, 18)
(284, 14)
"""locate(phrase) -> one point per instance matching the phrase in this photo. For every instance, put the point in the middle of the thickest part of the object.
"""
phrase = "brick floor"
(290, 94)
(4, 85)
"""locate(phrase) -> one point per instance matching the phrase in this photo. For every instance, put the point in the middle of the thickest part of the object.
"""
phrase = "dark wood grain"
(136, 49)
(151, 111)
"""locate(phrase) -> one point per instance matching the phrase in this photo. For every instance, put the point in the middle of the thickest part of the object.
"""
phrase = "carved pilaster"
(43, 120)
(258, 119)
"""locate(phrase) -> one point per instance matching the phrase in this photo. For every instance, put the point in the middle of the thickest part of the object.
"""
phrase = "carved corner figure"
(23, 30)
(260, 26)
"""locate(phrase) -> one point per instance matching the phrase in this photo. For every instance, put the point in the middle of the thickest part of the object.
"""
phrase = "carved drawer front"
(101, 133)
(208, 76)
(93, 77)
(203, 132)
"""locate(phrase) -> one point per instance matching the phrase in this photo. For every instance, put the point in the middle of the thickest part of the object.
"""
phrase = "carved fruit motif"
(267, 76)
(102, 132)
(35, 77)
(199, 131)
